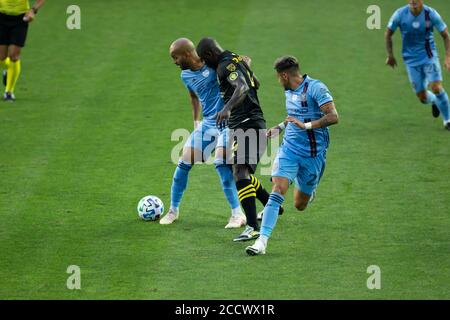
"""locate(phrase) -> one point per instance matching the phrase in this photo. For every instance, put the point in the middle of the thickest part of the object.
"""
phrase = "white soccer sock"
(236, 212)
(264, 239)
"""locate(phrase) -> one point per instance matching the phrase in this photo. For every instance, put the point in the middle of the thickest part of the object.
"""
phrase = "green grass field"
(90, 134)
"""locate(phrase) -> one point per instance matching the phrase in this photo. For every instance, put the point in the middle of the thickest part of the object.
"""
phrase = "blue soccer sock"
(179, 184)
(443, 105)
(270, 215)
(228, 184)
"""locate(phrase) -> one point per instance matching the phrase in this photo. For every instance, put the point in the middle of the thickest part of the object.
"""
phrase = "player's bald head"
(182, 46)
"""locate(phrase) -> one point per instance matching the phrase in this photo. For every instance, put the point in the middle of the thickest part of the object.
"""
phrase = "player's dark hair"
(287, 63)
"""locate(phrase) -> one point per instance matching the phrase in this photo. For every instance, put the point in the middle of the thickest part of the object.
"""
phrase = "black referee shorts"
(13, 30)
(249, 143)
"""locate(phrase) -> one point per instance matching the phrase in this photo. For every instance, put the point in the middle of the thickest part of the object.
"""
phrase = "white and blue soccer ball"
(150, 208)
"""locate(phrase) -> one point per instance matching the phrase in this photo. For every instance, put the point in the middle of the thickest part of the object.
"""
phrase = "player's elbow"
(333, 118)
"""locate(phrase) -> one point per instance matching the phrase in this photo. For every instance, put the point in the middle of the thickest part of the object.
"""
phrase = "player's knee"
(240, 172)
(436, 88)
(300, 205)
(14, 57)
(422, 97)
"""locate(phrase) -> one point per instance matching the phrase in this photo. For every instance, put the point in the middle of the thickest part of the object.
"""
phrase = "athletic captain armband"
(308, 126)
(282, 126)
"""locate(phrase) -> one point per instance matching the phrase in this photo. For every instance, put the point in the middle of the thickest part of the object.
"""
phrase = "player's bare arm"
(241, 88)
(196, 106)
(446, 38)
(29, 16)
(390, 61)
(275, 131)
(330, 117)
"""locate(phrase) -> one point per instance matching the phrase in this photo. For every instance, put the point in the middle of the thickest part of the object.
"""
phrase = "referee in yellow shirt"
(14, 18)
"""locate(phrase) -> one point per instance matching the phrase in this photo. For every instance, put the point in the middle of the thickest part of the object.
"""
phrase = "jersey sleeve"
(186, 84)
(321, 94)
(394, 22)
(437, 21)
(228, 70)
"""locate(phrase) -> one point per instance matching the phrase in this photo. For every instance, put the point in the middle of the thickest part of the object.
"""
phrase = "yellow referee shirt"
(14, 7)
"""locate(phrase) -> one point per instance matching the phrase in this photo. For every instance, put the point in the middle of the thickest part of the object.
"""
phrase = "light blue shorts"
(208, 137)
(421, 76)
(305, 171)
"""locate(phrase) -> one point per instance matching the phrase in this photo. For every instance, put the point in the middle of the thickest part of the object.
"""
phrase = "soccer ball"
(150, 208)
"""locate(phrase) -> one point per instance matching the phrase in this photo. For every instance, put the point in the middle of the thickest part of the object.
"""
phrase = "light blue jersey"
(204, 84)
(304, 104)
(417, 34)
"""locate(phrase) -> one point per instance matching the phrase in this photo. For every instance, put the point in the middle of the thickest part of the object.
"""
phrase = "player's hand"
(390, 61)
(222, 118)
(447, 63)
(196, 124)
(297, 122)
(273, 132)
(247, 60)
(29, 16)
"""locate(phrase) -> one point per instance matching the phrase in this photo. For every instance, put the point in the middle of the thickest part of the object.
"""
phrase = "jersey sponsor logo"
(416, 24)
(233, 76)
(231, 67)
(206, 73)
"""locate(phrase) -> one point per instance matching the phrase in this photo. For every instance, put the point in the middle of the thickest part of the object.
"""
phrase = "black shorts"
(13, 30)
(249, 143)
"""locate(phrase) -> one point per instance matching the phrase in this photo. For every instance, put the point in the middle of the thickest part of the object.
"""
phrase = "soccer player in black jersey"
(242, 112)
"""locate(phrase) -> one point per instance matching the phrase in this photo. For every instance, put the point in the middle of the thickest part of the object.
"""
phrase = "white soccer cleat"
(169, 218)
(257, 248)
(236, 221)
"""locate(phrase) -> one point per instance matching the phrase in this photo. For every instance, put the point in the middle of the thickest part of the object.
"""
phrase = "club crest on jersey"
(231, 67)
(416, 24)
(233, 76)
(206, 73)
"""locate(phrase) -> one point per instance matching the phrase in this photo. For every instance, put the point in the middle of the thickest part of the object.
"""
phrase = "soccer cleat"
(257, 248)
(248, 234)
(435, 111)
(236, 222)
(447, 126)
(260, 214)
(9, 96)
(5, 76)
(169, 218)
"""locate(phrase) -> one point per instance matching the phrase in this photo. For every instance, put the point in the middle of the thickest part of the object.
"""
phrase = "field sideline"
(89, 135)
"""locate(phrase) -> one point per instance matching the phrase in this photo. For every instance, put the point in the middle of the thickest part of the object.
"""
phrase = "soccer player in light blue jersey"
(201, 82)
(302, 155)
(417, 23)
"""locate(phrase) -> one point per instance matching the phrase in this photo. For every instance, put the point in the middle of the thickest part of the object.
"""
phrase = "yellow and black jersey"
(231, 66)
(14, 7)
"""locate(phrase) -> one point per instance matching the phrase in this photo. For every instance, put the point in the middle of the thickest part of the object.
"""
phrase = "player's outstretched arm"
(29, 16)
(390, 61)
(330, 117)
(275, 131)
(241, 89)
(196, 106)
(446, 38)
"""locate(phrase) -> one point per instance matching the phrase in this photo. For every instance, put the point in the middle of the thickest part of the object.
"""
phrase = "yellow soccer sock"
(13, 75)
(4, 64)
